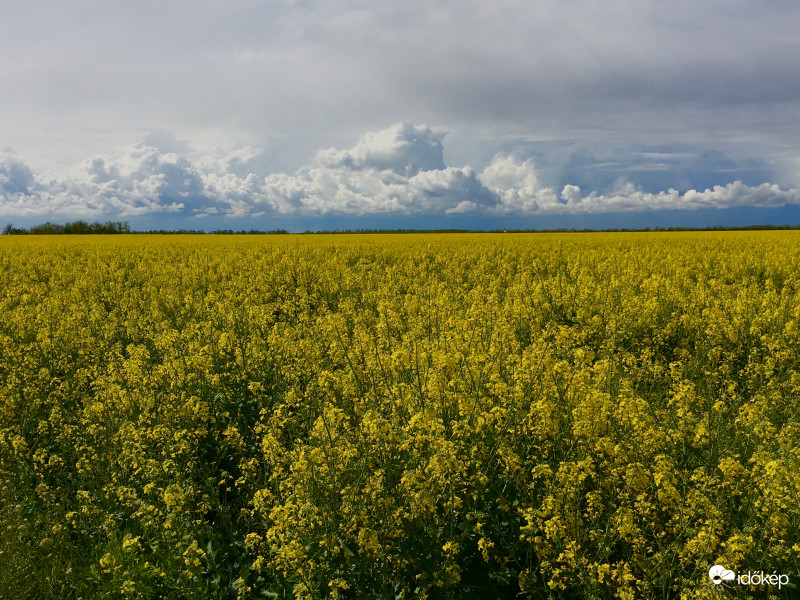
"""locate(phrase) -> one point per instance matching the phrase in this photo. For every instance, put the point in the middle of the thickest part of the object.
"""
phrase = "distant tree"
(8, 229)
(76, 227)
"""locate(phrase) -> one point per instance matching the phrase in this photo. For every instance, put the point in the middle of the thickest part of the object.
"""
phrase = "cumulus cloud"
(15, 177)
(399, 170)
(627, 197)
(138, 180)
(517, 185)
(321, 190)
(519, 191)
(402, 148)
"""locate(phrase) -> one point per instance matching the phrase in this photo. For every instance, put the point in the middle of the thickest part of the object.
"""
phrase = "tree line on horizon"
(114, 227)
(81, 227)
(75, 227)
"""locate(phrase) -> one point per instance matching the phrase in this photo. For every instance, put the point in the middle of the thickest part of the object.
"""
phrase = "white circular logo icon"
(718, 574)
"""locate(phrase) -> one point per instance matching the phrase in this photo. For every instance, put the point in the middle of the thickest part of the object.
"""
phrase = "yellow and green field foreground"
(399, 416)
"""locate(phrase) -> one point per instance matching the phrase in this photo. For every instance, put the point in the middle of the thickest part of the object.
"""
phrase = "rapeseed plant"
(542, 416)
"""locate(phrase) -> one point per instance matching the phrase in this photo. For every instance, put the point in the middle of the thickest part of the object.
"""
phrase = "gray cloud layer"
(399, 170)
(80, 77)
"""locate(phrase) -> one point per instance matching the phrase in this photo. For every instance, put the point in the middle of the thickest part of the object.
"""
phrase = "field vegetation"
(398, 416)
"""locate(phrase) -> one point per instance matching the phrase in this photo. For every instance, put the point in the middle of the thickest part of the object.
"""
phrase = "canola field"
(399, 416)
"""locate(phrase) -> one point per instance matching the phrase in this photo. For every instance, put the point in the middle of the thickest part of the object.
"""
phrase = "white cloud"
(629, 198)
(464, 206)
(322, 190)
(517, 186)
(399, 170)
(136, 181)
(402, 148)
(519, 191)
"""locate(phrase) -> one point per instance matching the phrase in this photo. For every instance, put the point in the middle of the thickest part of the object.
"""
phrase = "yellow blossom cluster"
(398, 416)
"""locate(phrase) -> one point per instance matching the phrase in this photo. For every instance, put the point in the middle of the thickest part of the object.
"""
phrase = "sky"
(304, 114)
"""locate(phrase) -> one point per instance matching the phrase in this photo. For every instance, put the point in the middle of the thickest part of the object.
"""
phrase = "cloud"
(15, 177)
(519, 191)
(136, 181)
(464, 206)
(323, 190)
(517, 185)
(402, 148)
(84, 78)
(629, 198)
(396, 171)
